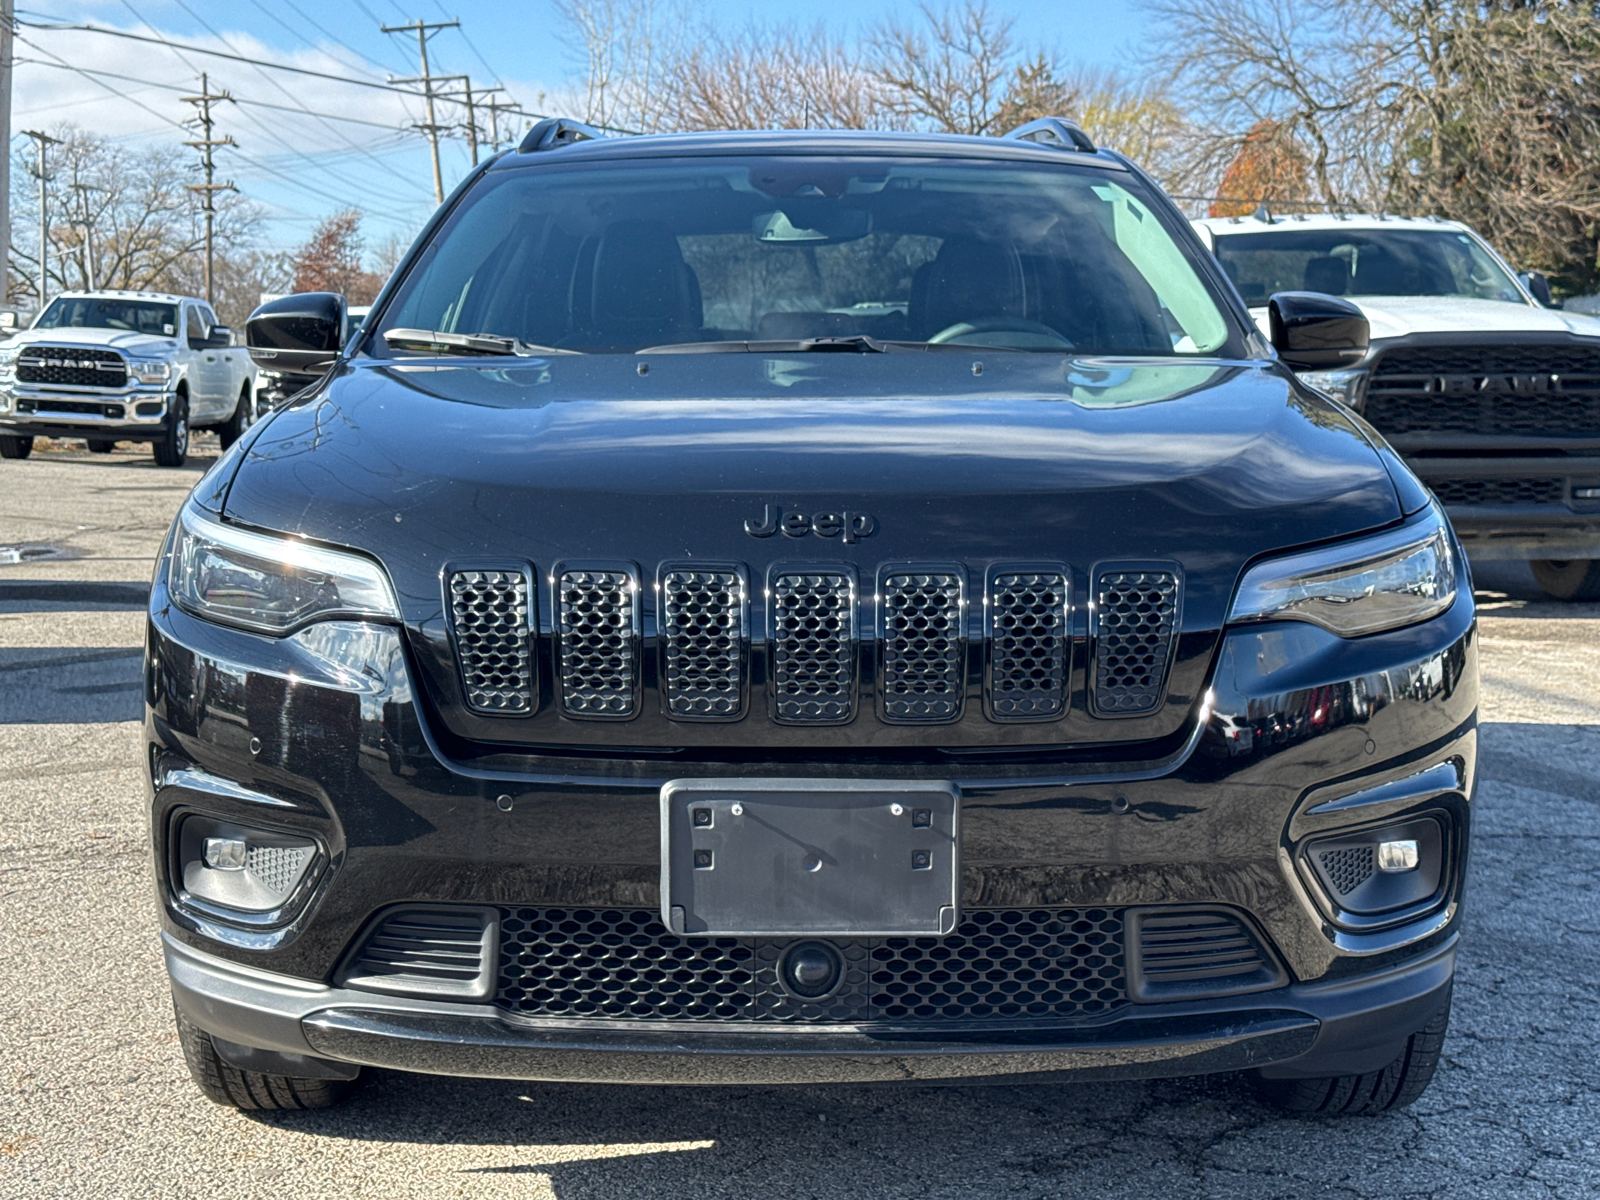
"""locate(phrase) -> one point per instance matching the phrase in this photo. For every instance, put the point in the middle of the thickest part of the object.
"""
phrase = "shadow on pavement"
(70, 686)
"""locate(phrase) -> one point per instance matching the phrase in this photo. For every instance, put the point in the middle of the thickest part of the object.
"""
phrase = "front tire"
(173, 448)
(244, 416)
(1395, 1086)
(251, 1091)
(12, 446)
(1568, 579)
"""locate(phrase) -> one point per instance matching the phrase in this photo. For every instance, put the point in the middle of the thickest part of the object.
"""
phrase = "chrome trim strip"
(200, 781)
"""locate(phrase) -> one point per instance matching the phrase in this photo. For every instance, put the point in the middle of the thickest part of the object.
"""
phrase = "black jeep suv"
(806, 607)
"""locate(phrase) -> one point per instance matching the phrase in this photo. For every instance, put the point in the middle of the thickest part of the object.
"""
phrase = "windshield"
(618, 257)
(1363, 262)
(106, 312)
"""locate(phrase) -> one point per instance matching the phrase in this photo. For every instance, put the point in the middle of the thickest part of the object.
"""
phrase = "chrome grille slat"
(599, 630)
(1028, 654)
(703, 635)
(922, 646)
(1515, 390)
(1136, 618)
(813, 647)
(489, 614)
(71, 366)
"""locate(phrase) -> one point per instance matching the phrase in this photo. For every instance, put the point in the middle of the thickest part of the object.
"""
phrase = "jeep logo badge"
(848, 525)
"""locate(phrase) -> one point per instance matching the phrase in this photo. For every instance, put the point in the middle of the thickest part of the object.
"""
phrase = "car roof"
(812, 141)
(114, 294)
(1276, 222)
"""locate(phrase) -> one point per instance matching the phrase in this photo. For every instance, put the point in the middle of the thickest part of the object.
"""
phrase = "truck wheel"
(1395, 1086)
(251, 1090)
(1568, 578)
(173, 448)
(244, 416)
(12, 446)
(101, 446)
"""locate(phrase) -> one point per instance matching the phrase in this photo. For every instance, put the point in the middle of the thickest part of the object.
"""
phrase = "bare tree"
(778, 77)
(950, 72)
(628, 49)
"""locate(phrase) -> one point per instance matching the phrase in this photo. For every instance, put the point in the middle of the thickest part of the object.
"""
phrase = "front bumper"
(134, 414)
(1562, 523)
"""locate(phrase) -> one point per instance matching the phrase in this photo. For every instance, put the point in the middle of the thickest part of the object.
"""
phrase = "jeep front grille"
(1028, 646)
(1135, 619)
(703, 637)
(599, 634)
(72, 366)
(813, 647)
(489, 615)
(1505, 390)
(923, 664)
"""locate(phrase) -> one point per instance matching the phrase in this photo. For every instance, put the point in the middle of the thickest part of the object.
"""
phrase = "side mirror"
(1315, 332)
(1539, 286)
(299, 333)
(220, 337)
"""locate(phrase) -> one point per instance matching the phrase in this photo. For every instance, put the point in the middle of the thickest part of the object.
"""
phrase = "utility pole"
(5, 145)
(90, 275)
(425, 30)
(44, 141)
(471, 99)
(210, 187)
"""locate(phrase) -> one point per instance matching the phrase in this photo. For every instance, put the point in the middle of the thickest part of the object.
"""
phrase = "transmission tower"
(425, 30)
(208, 190)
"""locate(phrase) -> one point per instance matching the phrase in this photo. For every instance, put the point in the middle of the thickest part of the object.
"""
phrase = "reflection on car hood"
(1398, 316)
(118, 339)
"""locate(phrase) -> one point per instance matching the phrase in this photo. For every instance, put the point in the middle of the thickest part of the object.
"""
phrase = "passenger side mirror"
(1315, 332)
(1539, 286)
(300, 334)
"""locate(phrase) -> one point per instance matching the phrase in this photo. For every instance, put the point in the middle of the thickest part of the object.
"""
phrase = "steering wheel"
(1026, 334)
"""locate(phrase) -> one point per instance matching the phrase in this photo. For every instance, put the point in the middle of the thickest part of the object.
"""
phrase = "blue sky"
(358, 151)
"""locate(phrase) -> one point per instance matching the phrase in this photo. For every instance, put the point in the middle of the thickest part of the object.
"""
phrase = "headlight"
(1344, 386)
(1353, 588)
(149, 370)
(8, 357)
(271, 584)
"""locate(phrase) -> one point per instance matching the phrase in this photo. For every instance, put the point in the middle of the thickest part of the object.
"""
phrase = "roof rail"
(554, 132)
(1055, 131)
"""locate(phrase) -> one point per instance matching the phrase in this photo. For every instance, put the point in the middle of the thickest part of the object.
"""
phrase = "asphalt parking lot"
(96, 1101)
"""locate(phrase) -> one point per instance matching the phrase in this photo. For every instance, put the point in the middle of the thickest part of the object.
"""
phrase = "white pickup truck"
(1492, 396)
(124, 367)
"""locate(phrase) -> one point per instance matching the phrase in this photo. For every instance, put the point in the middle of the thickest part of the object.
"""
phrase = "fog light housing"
(1397, 856)
(237, 869)
(1379, 875)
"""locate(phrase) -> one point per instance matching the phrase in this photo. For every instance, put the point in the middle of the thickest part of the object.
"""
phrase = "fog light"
(1586, 493)
(1397, 856)
(225, 854)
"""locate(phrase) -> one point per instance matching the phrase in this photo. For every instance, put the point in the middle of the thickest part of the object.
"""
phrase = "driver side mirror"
(1315, 332)
(220, 337)
(298, 334)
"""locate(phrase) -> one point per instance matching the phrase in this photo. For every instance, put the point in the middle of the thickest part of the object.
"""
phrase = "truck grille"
(1135, 619)
(922, 646)
(599, 615)
(72, 366)
(703, 636)
(813, 647)
(1551, 391)
(489, 614)
(1028, 646)
(1000, 965)
(1499, 491)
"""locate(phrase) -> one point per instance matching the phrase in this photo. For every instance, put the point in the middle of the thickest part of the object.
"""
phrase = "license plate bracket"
(810, 857)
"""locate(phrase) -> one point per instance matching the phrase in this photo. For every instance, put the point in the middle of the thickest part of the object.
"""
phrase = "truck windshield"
(616, 257)
(1363, 262)
(110, 312)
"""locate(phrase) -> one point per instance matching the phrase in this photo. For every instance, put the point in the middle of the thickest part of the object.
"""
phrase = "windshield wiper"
(463, 343)
(858, 343)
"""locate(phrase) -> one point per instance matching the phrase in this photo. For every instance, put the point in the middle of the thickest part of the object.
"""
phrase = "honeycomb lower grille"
(490, 616)
(1000, 965)
(1499, 491)
(1028, 647)
(703, 636)
(1135, 621)
(922, 646)
(813, 647)
(1348, 868)
(599, 623)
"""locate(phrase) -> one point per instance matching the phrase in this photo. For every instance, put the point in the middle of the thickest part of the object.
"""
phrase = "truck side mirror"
(220, 337)
(300, 333)
(1538, 285)
(1315, 332)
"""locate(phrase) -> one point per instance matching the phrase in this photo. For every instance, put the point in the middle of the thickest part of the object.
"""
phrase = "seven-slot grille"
(599, 616)
(1136, 616)
(1516, 390)
(72, 366)
(703, 635)
(813, 647)
(489, 614)
(923, 676)
(1028, 645)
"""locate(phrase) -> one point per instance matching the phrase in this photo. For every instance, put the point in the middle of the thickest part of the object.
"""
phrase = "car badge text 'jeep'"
(848, 525)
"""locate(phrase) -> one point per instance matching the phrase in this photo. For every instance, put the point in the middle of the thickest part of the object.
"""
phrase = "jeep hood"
(1014, 458)
(1399, 316)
